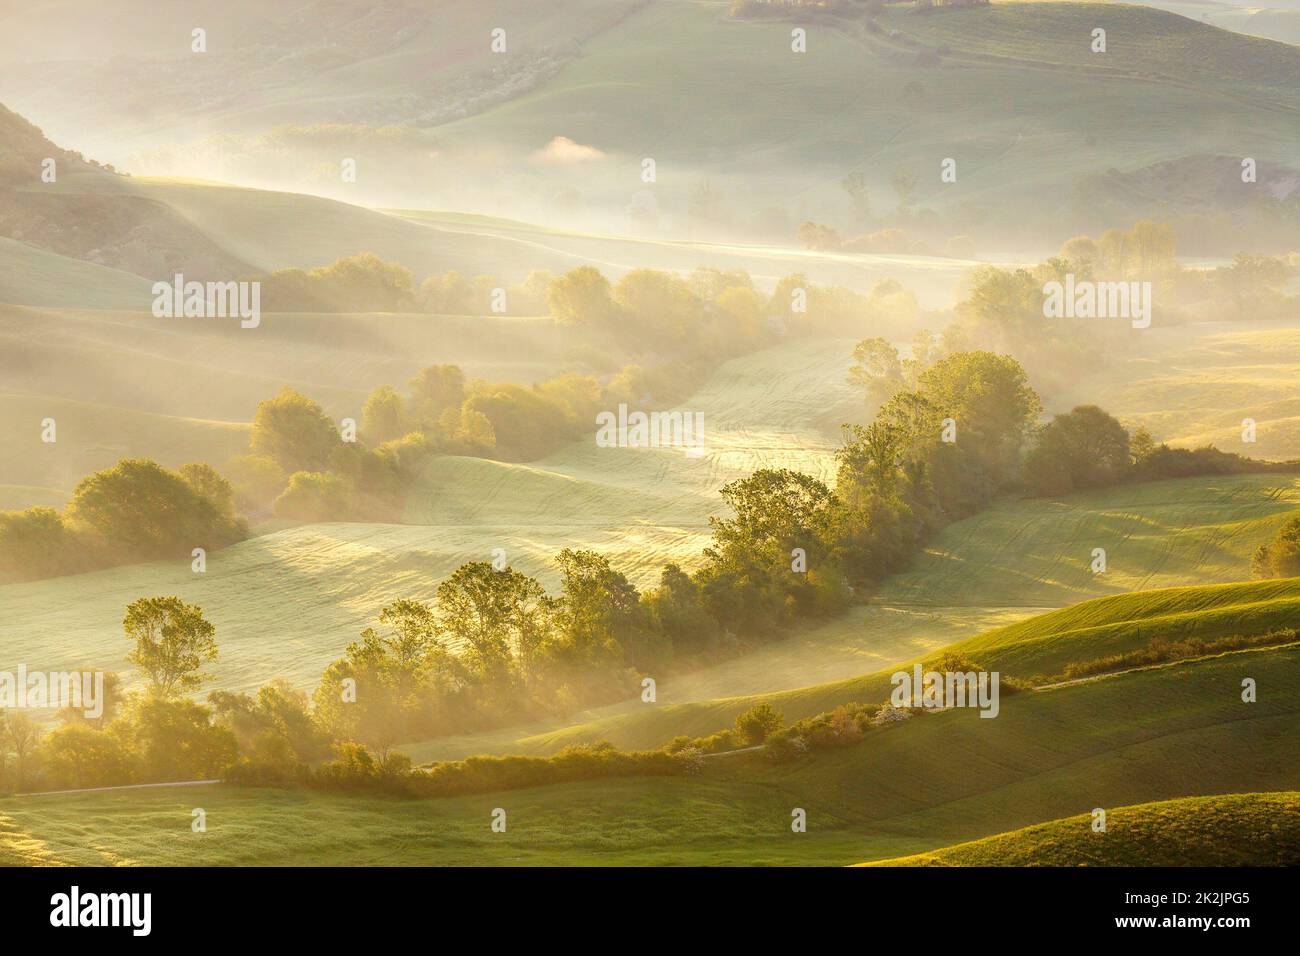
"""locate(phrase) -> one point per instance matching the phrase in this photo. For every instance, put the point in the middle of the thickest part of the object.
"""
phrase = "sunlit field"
(650, 433)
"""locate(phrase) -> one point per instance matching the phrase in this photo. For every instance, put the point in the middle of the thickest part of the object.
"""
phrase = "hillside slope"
(1193, 831)
(1038, 647)
(912, 787)
(940, 83)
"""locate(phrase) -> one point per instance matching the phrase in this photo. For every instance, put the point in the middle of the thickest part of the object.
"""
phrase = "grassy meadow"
(914, 787)
(1193, 831)
(1037, 648)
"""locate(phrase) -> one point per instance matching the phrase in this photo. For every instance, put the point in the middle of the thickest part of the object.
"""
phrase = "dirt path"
(130, 786)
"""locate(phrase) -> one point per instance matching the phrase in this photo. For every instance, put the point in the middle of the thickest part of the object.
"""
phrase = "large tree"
(1085, 448)
(294, 431)
(598, 610)
(172, 642)
(490, 613)
(582, 297)
(140, 509)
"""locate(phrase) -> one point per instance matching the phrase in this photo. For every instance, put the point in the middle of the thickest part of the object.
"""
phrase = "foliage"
(1280, 558)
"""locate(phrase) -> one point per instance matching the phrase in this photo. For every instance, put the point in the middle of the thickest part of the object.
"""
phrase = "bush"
(784, 748)
(1280, 558)
(758, 723)
(358, 769)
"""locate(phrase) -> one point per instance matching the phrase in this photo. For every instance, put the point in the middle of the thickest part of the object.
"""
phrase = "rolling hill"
(1193, 831)
(1273, 19)
(1035, 648)
(33, 276)
(909, 788)
(127, 384)
(294, 62)
(481, 131)
(940, 85)
(1195, 386)
(779, 407)
(314, 587)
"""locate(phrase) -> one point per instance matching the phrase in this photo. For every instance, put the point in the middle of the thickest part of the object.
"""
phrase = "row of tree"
(134, 511)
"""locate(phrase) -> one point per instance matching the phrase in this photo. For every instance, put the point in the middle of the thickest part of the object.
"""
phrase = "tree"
(36, 543)
(382, 417)
(989, 399)
(1085, 448)
(1080, 249)
(775, 510)
(758, 723)
(855, 187)
(490, 613)
(207, 483)
(172, 642)
(79, 755)
(869, 460)
(876, 369)
(657, 308)
(111, 699)
(278, 710)
(741, 312)
(359, 283)
(175, 739)
(315, 496)
(524, 423)
(903, 182)
(389, 684)
(1280, 558)
(676, 610)
(818, 237)
(582, 297)
(781, 519)
(598, 607)
(294, 431)
(1141, 445)
(141, 509)
(447, 294)
(19, 733)
(434, 390)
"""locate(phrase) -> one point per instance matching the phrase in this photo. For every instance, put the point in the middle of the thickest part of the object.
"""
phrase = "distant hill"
(23, 147)
(749, 137)
(88, 213)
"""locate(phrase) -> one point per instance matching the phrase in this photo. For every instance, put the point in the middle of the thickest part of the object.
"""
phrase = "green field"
(913, 787)
(1194, 831)
(287, 602)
